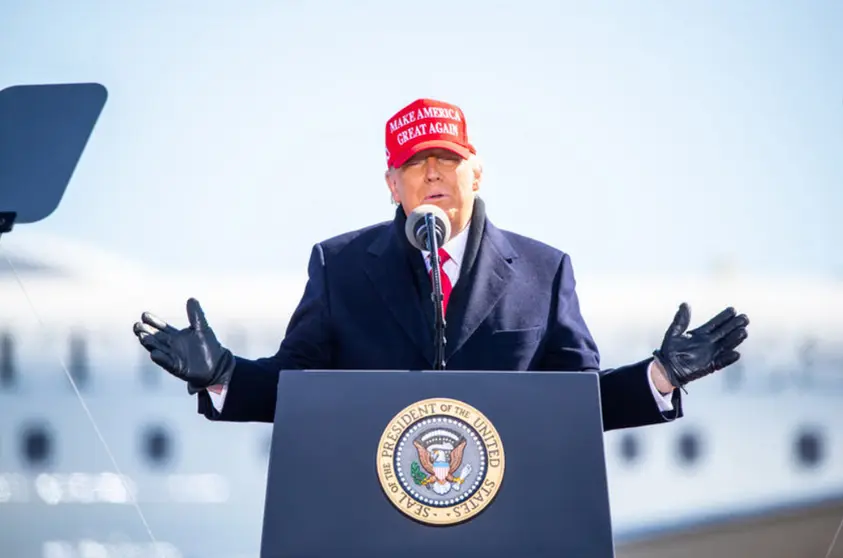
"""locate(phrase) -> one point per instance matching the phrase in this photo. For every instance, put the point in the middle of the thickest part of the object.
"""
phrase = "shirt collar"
(455, 247)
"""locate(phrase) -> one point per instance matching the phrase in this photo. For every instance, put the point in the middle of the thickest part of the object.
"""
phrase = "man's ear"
(478, 174)
(390, 183)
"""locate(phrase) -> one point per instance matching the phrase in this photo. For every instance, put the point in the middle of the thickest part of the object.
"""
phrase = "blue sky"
(643, 136)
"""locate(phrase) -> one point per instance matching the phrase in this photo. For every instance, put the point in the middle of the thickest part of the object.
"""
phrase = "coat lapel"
(485, 275)
(395, 275)
(398, 274)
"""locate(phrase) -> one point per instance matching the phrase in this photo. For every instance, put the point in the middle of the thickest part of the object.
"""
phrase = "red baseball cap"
(426, 124)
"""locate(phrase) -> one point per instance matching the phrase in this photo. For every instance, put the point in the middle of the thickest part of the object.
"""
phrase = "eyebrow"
(443, 154)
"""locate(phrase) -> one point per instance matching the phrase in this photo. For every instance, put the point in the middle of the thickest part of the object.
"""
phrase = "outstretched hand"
(192, 354)
(688, 356)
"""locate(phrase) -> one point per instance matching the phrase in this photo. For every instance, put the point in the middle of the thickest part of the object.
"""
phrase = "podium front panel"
(326, 498)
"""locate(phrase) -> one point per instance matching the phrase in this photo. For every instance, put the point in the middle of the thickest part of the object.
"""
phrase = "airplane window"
(78, 363)
(7, 360)
(36, 445)
(630, 447)
(689, 448)
(808, 448)
(157, 446)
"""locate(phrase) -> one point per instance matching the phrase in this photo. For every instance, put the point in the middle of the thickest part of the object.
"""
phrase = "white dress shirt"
(456, 250)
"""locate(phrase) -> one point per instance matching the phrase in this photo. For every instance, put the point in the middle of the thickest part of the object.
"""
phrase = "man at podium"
(510, 302)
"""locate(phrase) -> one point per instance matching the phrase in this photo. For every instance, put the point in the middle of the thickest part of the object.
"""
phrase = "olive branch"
(419, 476)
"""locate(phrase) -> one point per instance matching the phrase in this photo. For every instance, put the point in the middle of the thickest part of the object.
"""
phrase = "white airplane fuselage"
(764, 433)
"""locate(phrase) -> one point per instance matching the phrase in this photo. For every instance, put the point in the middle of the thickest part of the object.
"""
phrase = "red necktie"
(446, 281)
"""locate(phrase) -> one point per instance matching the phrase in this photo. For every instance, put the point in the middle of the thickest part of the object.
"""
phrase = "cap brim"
(463, 152)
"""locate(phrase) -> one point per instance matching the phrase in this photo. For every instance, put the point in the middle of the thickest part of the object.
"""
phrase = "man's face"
(439, 177)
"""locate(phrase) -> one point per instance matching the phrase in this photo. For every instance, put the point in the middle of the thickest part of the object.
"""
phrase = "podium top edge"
(416, 371)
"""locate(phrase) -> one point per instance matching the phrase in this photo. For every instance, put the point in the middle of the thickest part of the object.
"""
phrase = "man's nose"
(431, 169)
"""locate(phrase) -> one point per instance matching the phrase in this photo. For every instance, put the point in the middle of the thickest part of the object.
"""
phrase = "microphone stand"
(436, 295)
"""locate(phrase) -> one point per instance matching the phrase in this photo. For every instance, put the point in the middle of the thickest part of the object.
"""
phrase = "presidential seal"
(440, 461)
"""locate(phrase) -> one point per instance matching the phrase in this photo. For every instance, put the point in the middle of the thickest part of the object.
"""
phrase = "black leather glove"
(690, 356)
(192, 354)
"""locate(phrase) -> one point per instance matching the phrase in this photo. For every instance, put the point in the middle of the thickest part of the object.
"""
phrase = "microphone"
(416, 227)
(428, 228)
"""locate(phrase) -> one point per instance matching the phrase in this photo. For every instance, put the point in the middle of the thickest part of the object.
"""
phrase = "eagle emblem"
(440, 461)
(440, 453)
